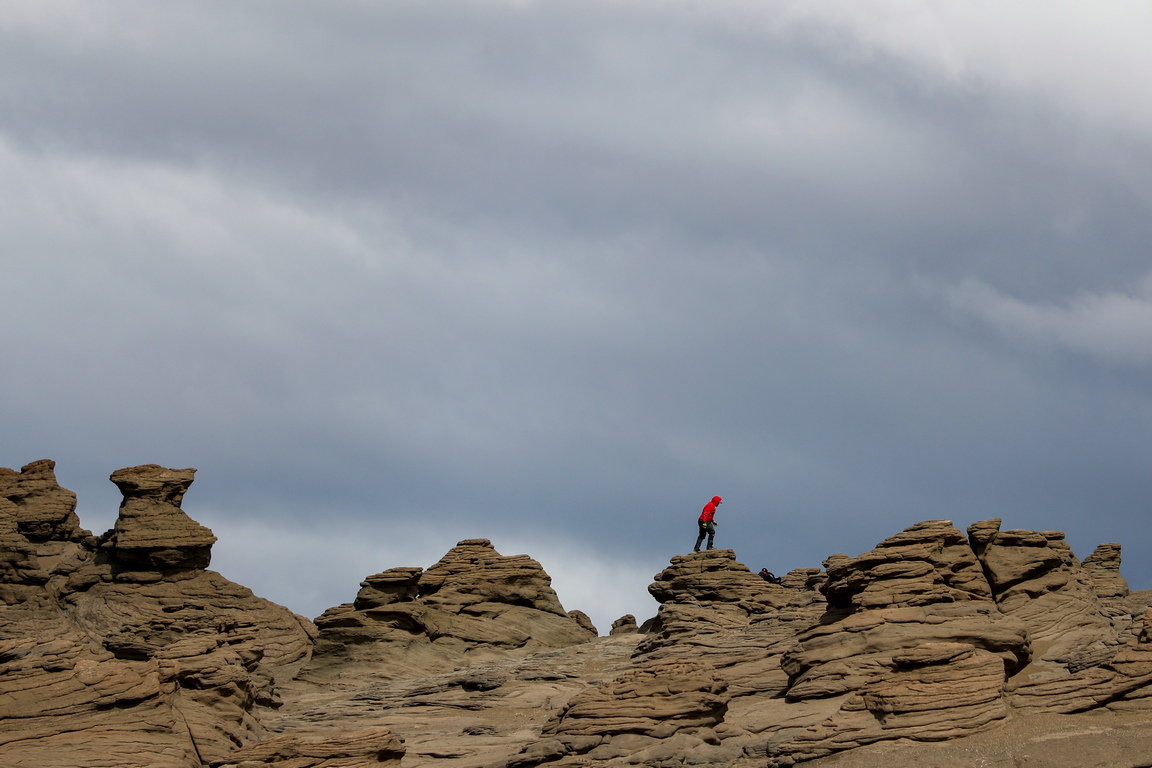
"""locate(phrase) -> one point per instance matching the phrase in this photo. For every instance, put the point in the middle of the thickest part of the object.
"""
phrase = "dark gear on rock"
(769, 577)
(707, 523)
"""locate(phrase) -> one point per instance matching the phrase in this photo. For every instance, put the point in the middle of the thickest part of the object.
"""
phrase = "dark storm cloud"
(392, 275)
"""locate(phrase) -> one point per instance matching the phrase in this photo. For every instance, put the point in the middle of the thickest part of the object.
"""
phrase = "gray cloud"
(556, 273)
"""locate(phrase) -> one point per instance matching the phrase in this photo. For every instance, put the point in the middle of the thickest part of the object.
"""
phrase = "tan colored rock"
(1103, 568)
(839, 657)
(930, 562)
(922, 586)
(706, 592)
(43, 510)
(624, 625)
(714, 576)
(655, 700)
(1038, 580)
(128, 653)
(803, 578)
(152, 532)
(474, 604)
(584, 621)
(16, 552)
(374, 747)
(140, 668)
(934, 692)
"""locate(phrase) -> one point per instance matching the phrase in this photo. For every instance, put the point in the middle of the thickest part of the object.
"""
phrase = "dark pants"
(706, 529)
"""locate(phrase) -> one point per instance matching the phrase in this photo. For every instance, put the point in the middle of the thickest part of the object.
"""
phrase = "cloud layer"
(556, 273)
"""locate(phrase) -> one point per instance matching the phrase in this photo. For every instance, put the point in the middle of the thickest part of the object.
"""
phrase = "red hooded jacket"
(710, 510)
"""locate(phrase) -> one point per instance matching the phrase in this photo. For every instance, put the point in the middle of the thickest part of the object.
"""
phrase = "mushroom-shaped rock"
(152, 531)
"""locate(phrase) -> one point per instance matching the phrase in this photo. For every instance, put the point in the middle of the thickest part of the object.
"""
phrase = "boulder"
(912, 646)
(706, 592)
(930, 562)
(932, 692)
(624, 625)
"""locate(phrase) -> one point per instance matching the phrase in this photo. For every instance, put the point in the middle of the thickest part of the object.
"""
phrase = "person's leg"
(700, 538)
(711, 535)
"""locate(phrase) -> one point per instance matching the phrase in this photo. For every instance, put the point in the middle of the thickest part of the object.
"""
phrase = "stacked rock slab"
(926, 637)
(709, 591)
(912, 646)
(364, 748)
(1088, 651)
(42, 510)
(152, 531)
(474, 604)
(123, 651)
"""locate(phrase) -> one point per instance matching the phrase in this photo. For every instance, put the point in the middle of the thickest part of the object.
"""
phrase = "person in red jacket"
(707, 523)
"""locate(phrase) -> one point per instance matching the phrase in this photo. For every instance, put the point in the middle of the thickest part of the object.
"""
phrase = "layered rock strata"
(123, 651)
(41, 509)
(710, 591)
(474, 604)
(932, 635)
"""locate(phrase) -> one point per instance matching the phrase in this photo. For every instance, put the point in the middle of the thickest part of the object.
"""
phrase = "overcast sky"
(397, 273)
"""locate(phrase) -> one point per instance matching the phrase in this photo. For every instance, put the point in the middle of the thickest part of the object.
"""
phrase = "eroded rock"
(165, 667)
(473, 604)
(152, 532)
(42, 509)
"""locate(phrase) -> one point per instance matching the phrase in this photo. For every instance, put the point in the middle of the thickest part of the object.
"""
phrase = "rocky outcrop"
(474, 604)
(42, 509)
(152, 532)
(932, 635)
(1103, 568)
(624, 625)
(123, 651)
(921, 586)
(710, 591)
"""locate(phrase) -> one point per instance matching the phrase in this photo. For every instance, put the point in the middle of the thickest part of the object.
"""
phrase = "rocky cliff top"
(125, 650)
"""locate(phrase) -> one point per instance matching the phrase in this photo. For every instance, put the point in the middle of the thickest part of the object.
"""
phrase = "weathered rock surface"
(42, 509)
(624, 625)
(128, 655)
(474, 604)
(1103, 568)
(365, 748)
(124, 650)
(152, 531)
(710, 591)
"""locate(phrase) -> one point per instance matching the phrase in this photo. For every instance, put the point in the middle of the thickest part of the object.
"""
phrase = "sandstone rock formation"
(473, 604)
(932, 635)
(152, 531)
(366, 748)
(624, 625)
(124, 650)
(41, 508)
